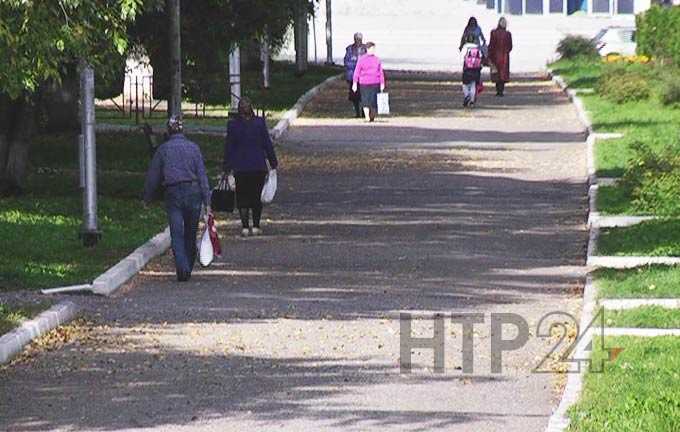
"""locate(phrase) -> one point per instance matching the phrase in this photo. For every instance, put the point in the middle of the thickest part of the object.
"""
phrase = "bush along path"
(634, 247)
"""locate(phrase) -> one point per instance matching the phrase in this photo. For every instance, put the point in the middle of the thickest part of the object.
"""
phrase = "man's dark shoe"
(183, 277)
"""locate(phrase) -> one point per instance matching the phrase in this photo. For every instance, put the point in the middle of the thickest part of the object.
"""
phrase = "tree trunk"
(14, 145)
(175, 48)
(301, 34)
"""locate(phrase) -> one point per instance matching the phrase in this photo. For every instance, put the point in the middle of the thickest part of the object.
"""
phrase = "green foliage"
(13, 316)
(625, 83)
(644, 317)
(651, 238)
(643, 282)
(658, 33)
(653, 178)
(638, 391)
(669, 91)
(38, 38)
(209, 29)
(573, 46)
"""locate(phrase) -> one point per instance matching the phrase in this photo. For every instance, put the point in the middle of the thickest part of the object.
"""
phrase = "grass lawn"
(651, 238)
(286, 89)
(11, 317)
(40, 229)
(578, 73)
(644, 282)
(644, 317)
(637, 392)
(616, 200)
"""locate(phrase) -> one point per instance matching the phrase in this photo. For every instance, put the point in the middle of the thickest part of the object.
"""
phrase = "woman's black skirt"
(369, 96)
(249, 189)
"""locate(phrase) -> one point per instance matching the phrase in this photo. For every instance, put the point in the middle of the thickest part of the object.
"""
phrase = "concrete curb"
(122, 272)
(624, 304)
(14, 342)
(292, 114)
(640, 332)
(597, 220)
(629, 262)
(608, 181)
(559, 421)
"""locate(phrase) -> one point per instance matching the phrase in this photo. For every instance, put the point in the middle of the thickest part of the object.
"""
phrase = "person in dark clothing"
(499, 53)
(178, 166)
(352, 54)
(247, 149)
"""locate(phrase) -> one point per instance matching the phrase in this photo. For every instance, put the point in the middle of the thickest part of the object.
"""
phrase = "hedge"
(658, 33)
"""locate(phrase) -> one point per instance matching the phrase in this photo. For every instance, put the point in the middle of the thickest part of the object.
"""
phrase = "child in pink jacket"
(370, 76)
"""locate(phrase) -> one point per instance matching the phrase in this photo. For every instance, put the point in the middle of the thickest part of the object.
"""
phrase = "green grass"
(41, 247)
(651, 238)
(644, 317)
(637, 392)
(13, 316)
(286, 88)
(616, 200)
(578, 73)
(644, 282)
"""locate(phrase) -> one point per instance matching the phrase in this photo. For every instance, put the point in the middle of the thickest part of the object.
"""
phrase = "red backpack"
(473, 59)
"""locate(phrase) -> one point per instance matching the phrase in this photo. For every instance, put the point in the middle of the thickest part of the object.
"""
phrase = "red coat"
(499, 52)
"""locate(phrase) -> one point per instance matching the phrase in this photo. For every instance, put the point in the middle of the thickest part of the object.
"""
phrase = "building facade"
(569, 7)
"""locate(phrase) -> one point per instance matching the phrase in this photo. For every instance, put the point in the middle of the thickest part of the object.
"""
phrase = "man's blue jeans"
(183, 205)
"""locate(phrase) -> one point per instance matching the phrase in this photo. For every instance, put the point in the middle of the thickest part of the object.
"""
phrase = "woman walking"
(247, 150)
(370, 76)
(499, 54)
(472, 29)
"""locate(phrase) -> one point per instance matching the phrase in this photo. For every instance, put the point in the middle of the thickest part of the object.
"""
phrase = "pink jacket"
(369, 71)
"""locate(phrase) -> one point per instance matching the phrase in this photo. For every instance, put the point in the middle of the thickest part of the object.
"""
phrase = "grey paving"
(434, 210)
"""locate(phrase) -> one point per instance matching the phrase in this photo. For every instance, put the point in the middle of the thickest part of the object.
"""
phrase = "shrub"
(653, 179)
(670, 89)
(576, 46)
(658, 33)
(623, 83)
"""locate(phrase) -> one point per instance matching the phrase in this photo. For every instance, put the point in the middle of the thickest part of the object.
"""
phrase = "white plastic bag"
(269, 189)
(206, 253)
(383, 103)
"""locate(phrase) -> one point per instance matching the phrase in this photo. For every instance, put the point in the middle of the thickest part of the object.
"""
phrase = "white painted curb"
(624, 304)
(597, 220)
(640, 332)
(292, 114)
(14, 342)
(559, 421)
(122, 272)
(629, 262)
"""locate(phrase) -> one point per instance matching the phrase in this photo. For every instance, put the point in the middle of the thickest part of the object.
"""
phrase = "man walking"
(178, 166)
(352, 54)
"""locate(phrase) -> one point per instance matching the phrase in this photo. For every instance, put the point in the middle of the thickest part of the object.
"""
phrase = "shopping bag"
(383, 103)
(494, 73)
(269, 189)
(214, 237)
(206, 252)
(222, 197)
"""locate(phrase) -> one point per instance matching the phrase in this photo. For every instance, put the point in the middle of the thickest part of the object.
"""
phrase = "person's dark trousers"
(355, 98)
(500, 88)
(183, 204)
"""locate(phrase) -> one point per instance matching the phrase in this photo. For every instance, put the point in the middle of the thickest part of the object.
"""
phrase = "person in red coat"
(499, 54)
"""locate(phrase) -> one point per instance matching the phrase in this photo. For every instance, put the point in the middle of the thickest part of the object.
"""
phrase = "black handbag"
(222, 198)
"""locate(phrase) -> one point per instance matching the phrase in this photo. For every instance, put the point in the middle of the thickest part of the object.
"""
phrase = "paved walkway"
(435, 209)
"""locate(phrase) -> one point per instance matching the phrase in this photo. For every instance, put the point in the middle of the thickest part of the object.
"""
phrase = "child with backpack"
(472, 71)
